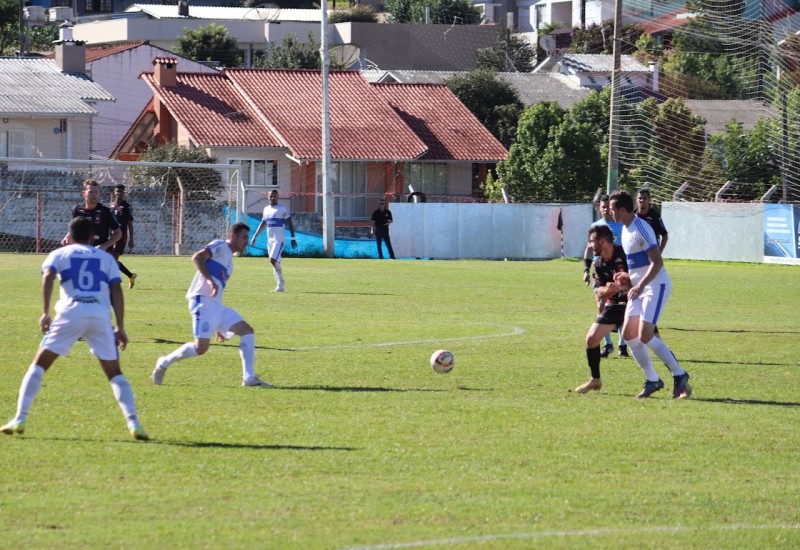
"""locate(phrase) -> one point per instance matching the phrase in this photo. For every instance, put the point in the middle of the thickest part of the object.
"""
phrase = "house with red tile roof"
(386, 139)
(117, 68)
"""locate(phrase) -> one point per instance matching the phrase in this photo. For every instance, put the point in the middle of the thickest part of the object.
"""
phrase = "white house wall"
(119, 74)
(45, 139)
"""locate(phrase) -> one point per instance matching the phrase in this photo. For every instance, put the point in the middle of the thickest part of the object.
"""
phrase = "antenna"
(547, 43)
(263, 12)
(345, 55)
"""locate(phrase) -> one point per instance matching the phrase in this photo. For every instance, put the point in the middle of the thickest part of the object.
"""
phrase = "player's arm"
(48, 277)
(118, 305)
(664, 239)
(199, 259)
(587, 263)
(115, 236)
(258, 231)
(290, 225)
(130, 234)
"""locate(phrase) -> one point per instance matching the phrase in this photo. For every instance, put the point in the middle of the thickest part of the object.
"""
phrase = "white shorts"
(275, 250)
(97, 331)
(650, 303)
(210, 317)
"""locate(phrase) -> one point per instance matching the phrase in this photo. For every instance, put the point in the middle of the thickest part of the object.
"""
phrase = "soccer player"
(123, 211)
(214, 264)
(648, 214)
(650, 290)
(616, 229)
(90, 284)
(275, 217)
(105, 227)
(609, 259)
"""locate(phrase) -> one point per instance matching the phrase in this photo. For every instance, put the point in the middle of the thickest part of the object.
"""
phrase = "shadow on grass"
(355, 389)
(732, 331)
(349, 293)
(742, 363)
(218, 445)
(730, 401)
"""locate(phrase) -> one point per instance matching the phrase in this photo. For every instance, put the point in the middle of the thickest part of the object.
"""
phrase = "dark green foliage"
(446, 12)
(511, 53)
(597, 39)
(492, 100)
(209, 43)
(356, 14)
(292, 54)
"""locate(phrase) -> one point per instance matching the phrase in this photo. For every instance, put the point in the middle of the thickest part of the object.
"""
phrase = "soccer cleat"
(650, 388)
(131, 280)
(256, 382)
(279, 289)
(593, 384)
(623, 351)
(159, 371)
(14, 426)
(607, 350)
(138, 433)
(682, 389)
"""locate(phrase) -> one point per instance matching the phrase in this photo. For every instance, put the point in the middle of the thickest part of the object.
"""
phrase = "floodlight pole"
(613, 123)
(328, 213)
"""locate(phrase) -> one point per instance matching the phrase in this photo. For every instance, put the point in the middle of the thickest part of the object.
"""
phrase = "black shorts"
(612, 315)
(118, 247)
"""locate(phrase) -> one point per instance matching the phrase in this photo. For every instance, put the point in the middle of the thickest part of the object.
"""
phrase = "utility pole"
(22, 24)
(613, 124)
(328, 212)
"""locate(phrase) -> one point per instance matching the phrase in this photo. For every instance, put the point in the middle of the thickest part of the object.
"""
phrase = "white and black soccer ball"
(442, 361)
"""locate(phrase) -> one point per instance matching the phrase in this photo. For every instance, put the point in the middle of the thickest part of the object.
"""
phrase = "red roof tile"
(213, 112)
(666, 22)
(363, 126)
(447, 127)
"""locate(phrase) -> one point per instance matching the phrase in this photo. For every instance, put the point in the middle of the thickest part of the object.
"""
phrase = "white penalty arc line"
(514, 331)
(575, 533)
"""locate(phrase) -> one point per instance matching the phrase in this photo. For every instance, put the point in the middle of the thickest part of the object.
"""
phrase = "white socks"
(31, 384)
(663, 352)
(184, 352)
(124, 395)
(247, 351)
(642, 356)
(277, 272)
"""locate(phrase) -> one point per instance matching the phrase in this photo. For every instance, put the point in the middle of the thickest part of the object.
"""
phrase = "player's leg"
(104, 347)
(247, 347)
(608, 347)
(205, 317)
(630, 331)
(652, 307)
(378, 239)
(29, 389)
(275, 251)
(593, 338)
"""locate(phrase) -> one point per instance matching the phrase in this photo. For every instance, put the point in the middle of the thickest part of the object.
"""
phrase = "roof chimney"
(70, 53)
(166, 71)
(654, 84)
(183, 8)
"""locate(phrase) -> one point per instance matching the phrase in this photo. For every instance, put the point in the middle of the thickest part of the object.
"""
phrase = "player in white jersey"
(214, 264)
(89, 286)
(275, 217)
(647, 296)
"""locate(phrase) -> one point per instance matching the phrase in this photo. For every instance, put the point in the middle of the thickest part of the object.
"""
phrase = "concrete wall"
(488, 231)
(714, 231)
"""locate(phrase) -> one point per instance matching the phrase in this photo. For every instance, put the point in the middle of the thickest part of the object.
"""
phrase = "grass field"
(362, 445)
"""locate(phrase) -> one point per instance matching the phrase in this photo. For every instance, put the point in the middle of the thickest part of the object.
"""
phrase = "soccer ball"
(442, 361)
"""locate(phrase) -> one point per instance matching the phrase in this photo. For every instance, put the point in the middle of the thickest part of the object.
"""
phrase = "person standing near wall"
(123, 211)
(648, 214)
(275, 217)
(381, 219)
(105, 227)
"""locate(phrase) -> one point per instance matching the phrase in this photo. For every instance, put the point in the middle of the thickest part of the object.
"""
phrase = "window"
(258, 173)
(16, 143)
(349, 188)
(98, 6)
(429, 178)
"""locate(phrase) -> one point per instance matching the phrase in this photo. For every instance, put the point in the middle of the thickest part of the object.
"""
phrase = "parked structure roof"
(218, 13)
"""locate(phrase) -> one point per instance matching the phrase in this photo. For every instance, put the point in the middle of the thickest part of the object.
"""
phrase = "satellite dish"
(345, 55)
(547, 43)
(263, 12)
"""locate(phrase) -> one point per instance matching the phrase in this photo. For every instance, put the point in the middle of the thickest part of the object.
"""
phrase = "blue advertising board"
(782, 233)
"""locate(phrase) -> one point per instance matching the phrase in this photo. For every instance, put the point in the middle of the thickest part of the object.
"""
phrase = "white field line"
(576, 533)
(510, 331)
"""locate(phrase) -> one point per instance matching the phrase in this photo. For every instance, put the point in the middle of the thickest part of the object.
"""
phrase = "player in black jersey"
(123, 211)
(653, 218)
(104, 225)
(611, 298)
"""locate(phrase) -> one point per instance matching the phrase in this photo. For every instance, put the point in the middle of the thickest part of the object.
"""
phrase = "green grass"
(362, 444)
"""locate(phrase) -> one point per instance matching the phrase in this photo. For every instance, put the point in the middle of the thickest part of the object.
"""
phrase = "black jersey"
(654, 220)
(123, 211)
(604, 273)
(103, 221)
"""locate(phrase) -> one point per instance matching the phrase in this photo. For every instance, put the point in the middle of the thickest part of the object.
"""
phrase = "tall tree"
(512, 52)
(447, 12)
(199, 183)
(209, 43)
(492, 100)
(292, 54)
